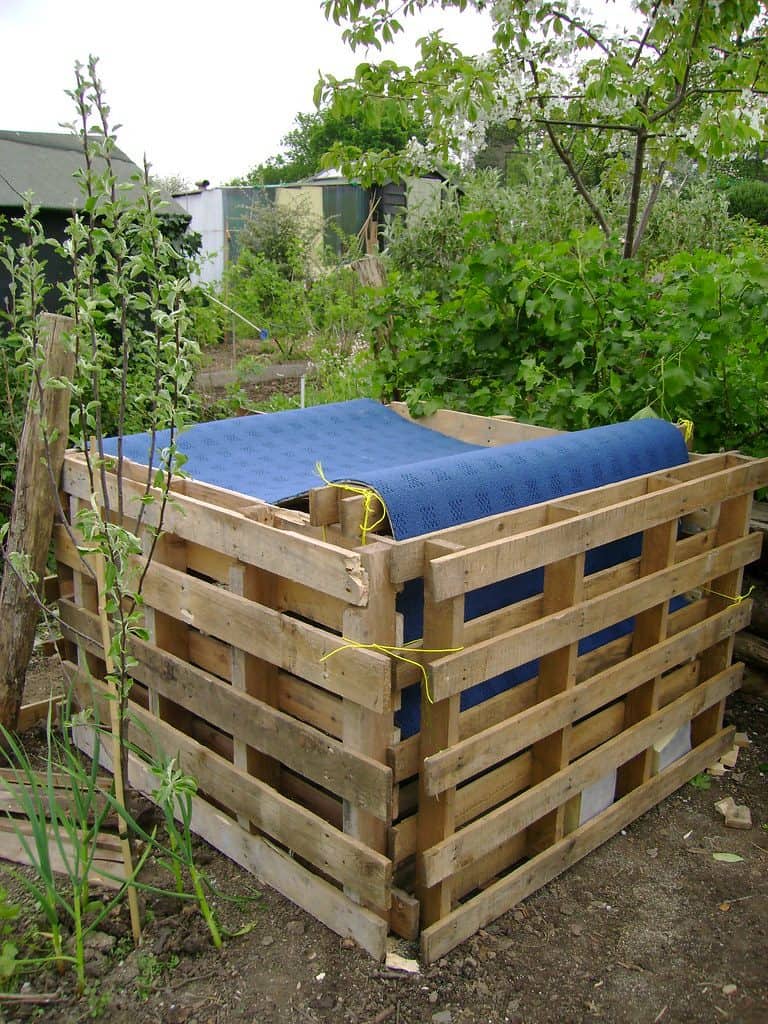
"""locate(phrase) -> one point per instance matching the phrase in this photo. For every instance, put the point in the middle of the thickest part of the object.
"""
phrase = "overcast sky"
(206, 89)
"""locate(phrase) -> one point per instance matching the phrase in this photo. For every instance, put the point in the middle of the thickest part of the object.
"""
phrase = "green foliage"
(70, 824)
(316, 134)
(174, 794)
(571, 335)
(617, 108)
(749, 199)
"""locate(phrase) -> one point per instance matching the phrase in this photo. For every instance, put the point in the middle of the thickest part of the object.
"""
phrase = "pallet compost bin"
(290, 730)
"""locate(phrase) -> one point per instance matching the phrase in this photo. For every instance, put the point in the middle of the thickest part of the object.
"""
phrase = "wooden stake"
(31, 520)
(117, 762)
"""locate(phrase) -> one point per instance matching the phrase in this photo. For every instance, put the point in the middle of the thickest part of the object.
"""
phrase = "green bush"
(749, 199)
(571, 335)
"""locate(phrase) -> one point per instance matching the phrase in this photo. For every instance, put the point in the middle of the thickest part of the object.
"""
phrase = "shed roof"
(45, 164)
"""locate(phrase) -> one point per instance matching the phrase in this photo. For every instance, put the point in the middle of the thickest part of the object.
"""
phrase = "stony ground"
(649, 928)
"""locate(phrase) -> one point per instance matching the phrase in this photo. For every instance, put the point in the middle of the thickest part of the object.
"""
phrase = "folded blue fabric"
(273, 456)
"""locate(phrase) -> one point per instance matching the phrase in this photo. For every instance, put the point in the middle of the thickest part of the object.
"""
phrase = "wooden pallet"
(290, 729)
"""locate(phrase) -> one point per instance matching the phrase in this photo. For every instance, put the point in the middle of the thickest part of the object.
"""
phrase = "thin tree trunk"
(41, 454)
(634, 195)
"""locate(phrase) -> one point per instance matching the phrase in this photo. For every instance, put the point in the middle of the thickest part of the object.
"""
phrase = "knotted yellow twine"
(368, 495)
(397, 654)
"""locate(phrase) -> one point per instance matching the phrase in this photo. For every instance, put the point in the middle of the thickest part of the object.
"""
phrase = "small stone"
(442, 1017)
(348, 943)
(577, 929)
(740, 817)
(267, 940)
(726, 806)
(730, 758)
(729, 990)
(482, 989)
(295, 927)
(653, 853)
(716, 770)
(433, 997)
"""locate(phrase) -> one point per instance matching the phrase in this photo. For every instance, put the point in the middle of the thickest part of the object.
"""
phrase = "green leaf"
(727, 858)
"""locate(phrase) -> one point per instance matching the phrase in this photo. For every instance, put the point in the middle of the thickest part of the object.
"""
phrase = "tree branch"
(569, 165)
(646, 217)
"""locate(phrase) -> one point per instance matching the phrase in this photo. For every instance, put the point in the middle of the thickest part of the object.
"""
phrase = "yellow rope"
(368, 495)
(687, 428)
(397, 653)
(729, 597)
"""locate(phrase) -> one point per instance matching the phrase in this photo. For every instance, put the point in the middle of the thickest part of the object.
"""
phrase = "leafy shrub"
(571, 335)
(749, 199)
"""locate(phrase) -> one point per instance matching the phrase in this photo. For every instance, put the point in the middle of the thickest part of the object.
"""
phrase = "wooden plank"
(340, 856)
(327, 568)
(272, 865)
(366, 729)
(457, 672)
(733, 522)
(650, 629)
(310, 704)
(408, 557)
(404, 915)
(563, 588)
(465, 426)
(498, 560)
(463, 922)
(37, 711)
(18, 845)
(321, 758)
(443, 629)
(480, 751)
(481, 836)
(359, 675)
(254, 677)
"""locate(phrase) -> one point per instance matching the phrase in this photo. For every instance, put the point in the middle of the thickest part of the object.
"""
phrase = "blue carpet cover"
(428, 482)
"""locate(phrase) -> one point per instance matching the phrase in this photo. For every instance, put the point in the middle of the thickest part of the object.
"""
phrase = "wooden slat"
(363, 728)
(322, 566)
(359, 675)
(319, 757)
(480, 837)
(733, 522)
(457, 672)
(650, 630)
(466, 426)
(443, 629)
(563, 588)
(340, 856)
(479, 752)
(408, 557)
(463, 922)
(310, 704)
(479, 566)
(265, 860)
(107, 866)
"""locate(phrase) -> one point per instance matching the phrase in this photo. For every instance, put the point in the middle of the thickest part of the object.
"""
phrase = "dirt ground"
(649, 928)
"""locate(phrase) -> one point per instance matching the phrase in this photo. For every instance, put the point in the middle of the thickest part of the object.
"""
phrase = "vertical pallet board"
(268, 673)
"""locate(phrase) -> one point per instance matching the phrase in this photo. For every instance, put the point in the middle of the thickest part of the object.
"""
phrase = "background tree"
(687, 80)
(317, 133)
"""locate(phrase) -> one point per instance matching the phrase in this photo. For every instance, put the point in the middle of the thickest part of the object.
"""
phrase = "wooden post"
(46, 420)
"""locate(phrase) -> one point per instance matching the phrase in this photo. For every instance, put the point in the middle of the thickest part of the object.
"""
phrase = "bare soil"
(650, 928)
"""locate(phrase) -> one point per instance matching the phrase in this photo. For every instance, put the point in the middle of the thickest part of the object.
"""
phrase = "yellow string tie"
(729, 597)
(368, 495)
(397, 654)
(687, 428)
